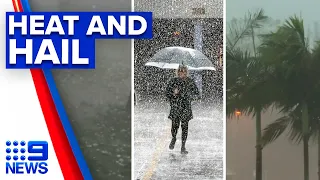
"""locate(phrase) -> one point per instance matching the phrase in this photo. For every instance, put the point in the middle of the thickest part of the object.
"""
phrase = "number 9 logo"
(40, 148)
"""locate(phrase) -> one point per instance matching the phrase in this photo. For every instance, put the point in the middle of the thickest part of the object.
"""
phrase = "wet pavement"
(154, 160)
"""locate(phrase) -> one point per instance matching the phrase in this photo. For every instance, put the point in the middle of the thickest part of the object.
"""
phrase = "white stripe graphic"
(21, 117)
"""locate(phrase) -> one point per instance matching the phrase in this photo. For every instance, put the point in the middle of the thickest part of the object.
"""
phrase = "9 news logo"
(26, 158)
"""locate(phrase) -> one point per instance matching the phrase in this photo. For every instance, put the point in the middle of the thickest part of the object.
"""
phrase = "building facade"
(193, 24)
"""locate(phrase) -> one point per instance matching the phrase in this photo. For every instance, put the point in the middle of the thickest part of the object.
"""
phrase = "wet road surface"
(154, 160)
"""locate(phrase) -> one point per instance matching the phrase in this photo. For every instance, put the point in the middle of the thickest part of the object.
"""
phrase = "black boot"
(183, 146)
(183, 150)
(172, 143)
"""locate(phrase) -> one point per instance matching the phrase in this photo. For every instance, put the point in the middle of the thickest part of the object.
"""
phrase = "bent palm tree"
(246, 81)
(316, 58)
(287, 53)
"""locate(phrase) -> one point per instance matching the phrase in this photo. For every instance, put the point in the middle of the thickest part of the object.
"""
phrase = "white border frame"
(132, 101)
(224, 90)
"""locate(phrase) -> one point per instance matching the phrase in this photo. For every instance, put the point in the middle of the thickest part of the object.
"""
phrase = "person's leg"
(174, 127)
(174, 131)
(184, 127)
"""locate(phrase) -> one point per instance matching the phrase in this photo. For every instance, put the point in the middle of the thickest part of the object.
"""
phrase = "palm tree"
(287, 54)
(316, 57)
(246, 83)
(292, 121)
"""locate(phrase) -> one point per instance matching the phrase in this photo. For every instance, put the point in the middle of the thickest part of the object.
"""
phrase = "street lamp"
(238, 113)
(176, 33)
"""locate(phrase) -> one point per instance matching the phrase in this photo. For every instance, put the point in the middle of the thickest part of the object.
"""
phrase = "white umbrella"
(172, 57)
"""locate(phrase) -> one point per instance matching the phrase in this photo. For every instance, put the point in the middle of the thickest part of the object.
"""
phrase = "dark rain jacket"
(181, 103)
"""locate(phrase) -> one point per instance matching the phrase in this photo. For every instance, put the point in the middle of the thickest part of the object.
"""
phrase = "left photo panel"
(96, 100)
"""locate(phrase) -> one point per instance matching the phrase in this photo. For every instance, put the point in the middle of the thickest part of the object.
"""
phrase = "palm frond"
(287, 47)
(295, 24)
(292, 121)
(237, 61)
(275, 129)
(238, 30)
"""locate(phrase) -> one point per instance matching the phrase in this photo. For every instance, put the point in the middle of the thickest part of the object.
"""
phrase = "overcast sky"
(277, 9)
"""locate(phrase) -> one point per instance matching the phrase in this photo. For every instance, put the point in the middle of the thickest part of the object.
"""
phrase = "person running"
(180, 91)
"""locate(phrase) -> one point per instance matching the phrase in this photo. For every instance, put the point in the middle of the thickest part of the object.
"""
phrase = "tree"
(316, 58)
(246, 83)
(295, 69)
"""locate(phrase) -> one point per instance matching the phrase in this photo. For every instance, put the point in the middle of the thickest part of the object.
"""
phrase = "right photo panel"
(273, 88)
